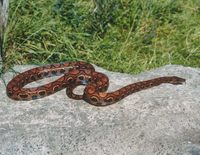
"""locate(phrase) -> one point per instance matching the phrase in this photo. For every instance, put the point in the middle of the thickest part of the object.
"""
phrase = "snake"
(73, 74)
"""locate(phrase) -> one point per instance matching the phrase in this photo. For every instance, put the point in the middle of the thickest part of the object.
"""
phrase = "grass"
(124, 35)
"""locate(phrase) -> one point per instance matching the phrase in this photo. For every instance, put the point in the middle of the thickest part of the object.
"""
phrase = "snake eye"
(81, 77)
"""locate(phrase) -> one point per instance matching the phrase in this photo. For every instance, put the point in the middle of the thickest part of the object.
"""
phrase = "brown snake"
(76, 74)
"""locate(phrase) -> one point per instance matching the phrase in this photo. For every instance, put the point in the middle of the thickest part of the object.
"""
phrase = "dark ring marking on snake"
(74, 75)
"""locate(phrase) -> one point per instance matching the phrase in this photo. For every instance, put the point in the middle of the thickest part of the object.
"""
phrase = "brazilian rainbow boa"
(76, 74)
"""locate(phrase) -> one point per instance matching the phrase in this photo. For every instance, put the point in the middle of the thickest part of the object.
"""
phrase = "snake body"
(74, 75)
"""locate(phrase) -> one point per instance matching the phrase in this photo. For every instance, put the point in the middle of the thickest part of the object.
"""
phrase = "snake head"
(177, 80)
(83, 79)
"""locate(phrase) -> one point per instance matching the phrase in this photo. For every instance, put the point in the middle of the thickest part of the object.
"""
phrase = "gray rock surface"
(164, 120)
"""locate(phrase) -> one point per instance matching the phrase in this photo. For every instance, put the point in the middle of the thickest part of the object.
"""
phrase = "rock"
(160, 120)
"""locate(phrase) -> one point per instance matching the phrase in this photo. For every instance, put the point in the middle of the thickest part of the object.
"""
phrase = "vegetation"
(123, 35)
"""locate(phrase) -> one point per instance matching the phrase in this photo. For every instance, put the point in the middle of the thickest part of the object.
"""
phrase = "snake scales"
(75, 74)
